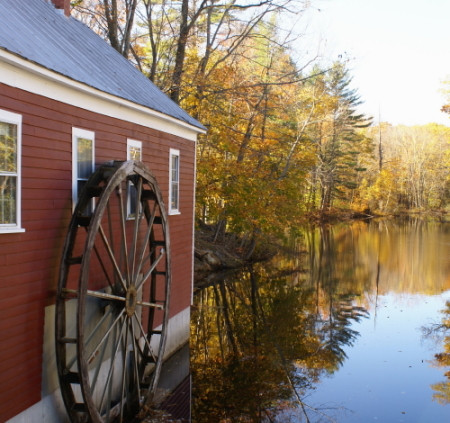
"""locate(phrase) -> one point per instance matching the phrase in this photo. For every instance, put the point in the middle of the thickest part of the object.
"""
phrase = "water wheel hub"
(131, 301)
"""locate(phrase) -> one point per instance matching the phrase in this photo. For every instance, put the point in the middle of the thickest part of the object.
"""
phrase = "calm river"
(349, 324)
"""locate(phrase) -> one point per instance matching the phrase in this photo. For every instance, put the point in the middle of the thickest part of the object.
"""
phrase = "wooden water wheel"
(113, 296)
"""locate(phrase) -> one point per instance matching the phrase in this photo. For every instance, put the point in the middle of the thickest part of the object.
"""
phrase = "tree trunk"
(181, 53)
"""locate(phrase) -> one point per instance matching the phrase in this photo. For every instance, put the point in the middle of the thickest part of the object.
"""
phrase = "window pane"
(8, 147)
(174, 168)
(174, 199)
(8, 197)
(132, 199)
(135, 153)
(84, 149)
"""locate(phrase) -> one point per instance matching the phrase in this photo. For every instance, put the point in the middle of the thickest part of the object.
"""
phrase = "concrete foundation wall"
(51, 408)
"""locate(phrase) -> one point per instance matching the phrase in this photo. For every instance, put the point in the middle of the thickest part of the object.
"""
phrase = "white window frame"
(135, 144)
(174, 210)
(15, 119)
(79, 133)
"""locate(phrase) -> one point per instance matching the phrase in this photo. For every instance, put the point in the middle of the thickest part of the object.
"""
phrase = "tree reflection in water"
(441, 334)
(263, 337)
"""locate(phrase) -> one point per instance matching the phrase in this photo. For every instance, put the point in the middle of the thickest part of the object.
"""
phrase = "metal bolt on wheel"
(113, 296)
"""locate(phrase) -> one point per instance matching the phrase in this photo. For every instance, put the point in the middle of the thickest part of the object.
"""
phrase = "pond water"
(349, 324)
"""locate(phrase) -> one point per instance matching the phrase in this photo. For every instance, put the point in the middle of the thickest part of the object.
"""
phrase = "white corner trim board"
(20, 73)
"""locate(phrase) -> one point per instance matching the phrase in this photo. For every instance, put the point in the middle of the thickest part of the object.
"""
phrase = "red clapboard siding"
(11, 291)
(27, 241)
(32, 173)
(19, 354)
(19, 324)
(30, 256)
(23, 302)
(22, 372)
(19, 398)
(29, 262)
(10, 314)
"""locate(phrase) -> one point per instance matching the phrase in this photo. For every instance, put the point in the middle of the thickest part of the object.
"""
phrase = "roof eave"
(49, 74)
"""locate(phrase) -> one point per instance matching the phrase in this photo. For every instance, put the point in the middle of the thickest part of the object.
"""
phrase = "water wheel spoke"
(135, 367)
(102, 354)
(144, 336)
(149, 272)
(91, 335)
(124, 370)
(102, 265)
(109, 410)
(152, 305)
(148, 257)
(137, 344)
(105, 336)
(137, 222)
(109, 379)
(98, 325)
(110, 226)
(124, 232)
(104, 295)
(147, 237)
(112, 258)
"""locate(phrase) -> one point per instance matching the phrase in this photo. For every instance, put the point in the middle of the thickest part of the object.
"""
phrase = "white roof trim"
(28, 76)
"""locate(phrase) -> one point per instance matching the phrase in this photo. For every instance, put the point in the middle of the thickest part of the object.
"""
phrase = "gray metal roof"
(36, 31)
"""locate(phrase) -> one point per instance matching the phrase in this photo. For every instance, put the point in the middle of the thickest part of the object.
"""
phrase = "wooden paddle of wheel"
(113, 296)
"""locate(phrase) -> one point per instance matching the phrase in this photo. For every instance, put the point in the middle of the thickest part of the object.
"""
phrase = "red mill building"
(69, 103)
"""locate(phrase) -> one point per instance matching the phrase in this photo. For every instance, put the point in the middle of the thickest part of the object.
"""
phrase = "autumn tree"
(336, 136)
(415, 173)
(253, 162)
(112, 19)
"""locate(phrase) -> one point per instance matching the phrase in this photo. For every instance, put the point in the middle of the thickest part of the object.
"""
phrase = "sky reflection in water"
(387, 376)
(311, 326)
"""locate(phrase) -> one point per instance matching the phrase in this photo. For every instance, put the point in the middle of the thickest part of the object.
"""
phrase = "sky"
(398, 51)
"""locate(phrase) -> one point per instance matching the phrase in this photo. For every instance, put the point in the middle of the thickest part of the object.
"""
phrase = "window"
(83, 147)
(134, 152)
(174, 183)
(10, 171)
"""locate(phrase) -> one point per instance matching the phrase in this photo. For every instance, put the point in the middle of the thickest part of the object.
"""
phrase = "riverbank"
(218, 253)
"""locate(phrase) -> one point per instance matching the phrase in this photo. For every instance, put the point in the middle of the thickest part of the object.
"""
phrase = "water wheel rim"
(121, 172)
